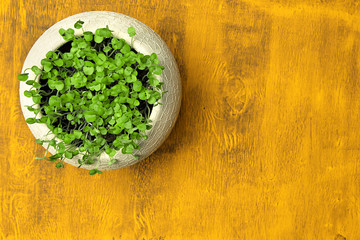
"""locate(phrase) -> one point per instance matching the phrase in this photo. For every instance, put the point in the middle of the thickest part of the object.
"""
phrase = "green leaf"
(39, 141)
(141, 127)
(99, 68)
(37, 85)
(69, 138)
(28, 93)
(30, 120)
(30, 82)
(78, 24)
(50, 54)
(23, 77)
(112, 122)
(70, 31)
(54, 101)
(128, 125)
(61, 148)
(57, 130)
(103, 131)
(107, 49)
(117, 142)
(117, 43)
(59, 62)
(89, 95)
(111, 152)
(88, 70)
(68, 154)
(101, 97)
(31, 109)
(94, 171)
(99, 121)
(78, 63)
(69, 117)
(48, 67)
(36, 70)
(52, 158)
(103, 32)
(69, 106)
(137, 86)
(129, 149)
(90, 117)
(45, 61)
(77, 134)
(68, 56)
(88, 36)
(89, 64)
(69, 34)
(131, 31)
(158, 70)
(83, 44)
(98, 39)
(153, 82)
(97, 87)
(51, 84)
(62, 31)
(125, 49)
(55, 73)
(86, 129)
(102, 57)
(152, 100)
(52, 143)
(153, 56)
(59, 165)
(94, 131)
(142, 95)
(59, 85)
(36, 99)
(128, 71)
(43, 119)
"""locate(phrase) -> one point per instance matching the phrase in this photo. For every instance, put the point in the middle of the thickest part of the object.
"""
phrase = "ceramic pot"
(146, 41)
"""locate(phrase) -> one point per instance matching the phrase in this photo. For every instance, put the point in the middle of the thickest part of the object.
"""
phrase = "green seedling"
(95, 96)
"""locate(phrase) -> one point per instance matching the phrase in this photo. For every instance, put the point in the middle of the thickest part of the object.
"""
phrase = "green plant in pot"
(95, 93)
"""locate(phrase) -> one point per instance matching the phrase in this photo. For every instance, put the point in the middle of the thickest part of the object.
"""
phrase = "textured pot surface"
(146, 41)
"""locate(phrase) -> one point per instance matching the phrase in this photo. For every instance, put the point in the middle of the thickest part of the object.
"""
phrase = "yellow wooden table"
(266, 145)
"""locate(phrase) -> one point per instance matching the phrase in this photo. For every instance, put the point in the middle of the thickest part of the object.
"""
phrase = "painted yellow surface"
(266, 145)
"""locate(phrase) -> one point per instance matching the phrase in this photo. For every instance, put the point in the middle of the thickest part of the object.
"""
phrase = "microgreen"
(95, 94)
(78, 24)
(132, 33)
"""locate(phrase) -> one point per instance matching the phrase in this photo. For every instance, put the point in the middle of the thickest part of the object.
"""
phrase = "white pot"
(146, 41)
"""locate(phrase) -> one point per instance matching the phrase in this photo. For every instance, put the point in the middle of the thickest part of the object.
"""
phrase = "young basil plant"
(95, 94)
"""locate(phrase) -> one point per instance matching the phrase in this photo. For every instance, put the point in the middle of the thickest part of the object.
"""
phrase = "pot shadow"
(172, 31)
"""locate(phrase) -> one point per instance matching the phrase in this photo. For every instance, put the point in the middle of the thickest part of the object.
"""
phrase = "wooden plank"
(265, 147)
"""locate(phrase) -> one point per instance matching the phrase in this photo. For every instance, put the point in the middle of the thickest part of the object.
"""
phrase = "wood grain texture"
(266, 145)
